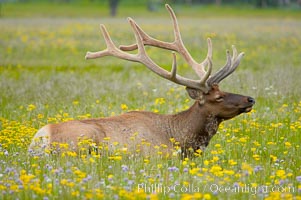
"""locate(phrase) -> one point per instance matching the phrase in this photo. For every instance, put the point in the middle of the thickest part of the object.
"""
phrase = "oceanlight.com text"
(213, 188)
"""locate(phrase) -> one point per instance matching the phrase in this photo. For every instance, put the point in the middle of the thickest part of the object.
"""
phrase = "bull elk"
(192, 128)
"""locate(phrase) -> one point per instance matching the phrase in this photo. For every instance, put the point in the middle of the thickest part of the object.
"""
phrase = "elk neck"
(194, 127)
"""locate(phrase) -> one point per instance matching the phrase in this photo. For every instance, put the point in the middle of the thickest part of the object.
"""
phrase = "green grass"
(45, 79)
(100, 9)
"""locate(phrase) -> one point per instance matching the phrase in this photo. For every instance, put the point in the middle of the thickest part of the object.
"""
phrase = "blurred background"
(9, 8)
(43, 45)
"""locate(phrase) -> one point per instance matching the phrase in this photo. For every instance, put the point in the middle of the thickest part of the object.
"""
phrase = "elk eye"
(219, 99)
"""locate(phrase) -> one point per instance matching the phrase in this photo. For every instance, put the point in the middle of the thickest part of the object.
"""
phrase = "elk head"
(221, 104)
(205, 90)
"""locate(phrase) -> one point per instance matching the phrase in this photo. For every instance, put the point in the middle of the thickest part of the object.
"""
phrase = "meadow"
(45, 79)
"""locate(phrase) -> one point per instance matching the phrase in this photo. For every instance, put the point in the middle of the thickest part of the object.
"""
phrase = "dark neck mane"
(194, 127)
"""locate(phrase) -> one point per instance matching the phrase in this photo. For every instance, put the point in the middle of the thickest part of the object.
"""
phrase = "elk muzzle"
(248, 105)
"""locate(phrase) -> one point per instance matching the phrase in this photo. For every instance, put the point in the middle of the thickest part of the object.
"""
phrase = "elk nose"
(251, 100)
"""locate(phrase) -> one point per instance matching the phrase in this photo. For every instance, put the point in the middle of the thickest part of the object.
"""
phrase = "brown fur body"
(193, 128)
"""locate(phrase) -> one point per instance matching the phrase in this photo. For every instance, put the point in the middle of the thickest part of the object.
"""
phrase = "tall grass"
(45, 79)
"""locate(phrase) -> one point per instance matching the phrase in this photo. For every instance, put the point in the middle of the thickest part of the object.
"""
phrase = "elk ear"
(195, 93)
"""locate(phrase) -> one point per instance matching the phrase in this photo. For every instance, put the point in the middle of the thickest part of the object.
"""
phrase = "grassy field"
(100, 9)
(45, 79)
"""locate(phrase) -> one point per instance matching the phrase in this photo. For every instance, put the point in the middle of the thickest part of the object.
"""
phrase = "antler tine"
(235, 59)
(230, 66)
(142, 57)
(174, 67)
(234, 50)
(218, 75)
(176, 29)
(208, 72)
(181, 49)
(111, 49)
(147, 40)
(140, 45)
(209, 53)
(108, 41)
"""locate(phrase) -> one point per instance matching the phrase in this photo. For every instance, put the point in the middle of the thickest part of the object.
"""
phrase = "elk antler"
(177, 45)
(230, 66)
(143, 58)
